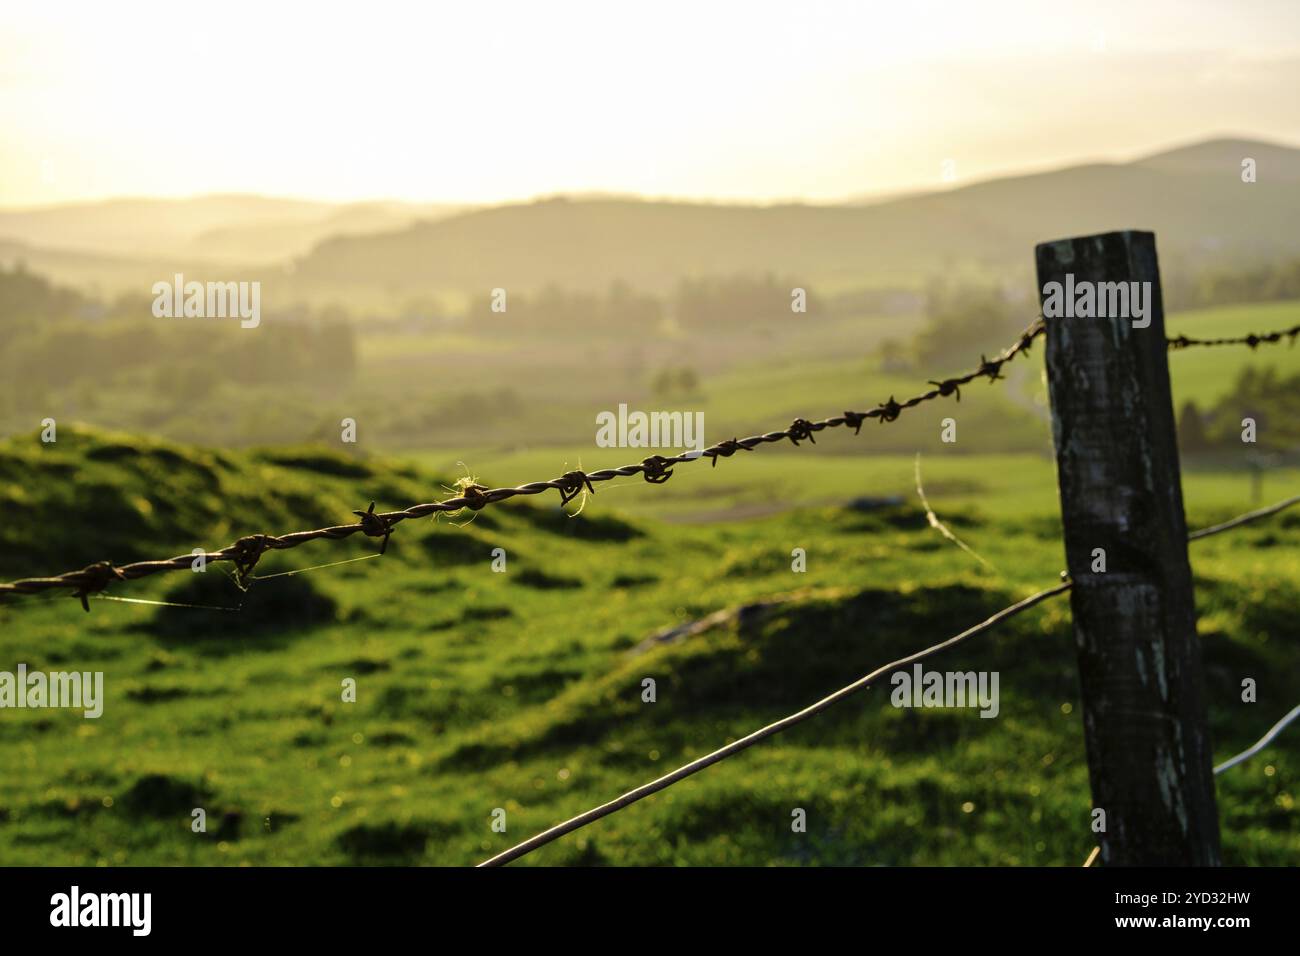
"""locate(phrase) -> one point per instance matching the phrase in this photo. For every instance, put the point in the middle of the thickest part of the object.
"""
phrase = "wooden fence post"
(1140, 671)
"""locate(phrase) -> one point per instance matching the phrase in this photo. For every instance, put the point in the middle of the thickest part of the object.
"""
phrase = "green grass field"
(521, 690)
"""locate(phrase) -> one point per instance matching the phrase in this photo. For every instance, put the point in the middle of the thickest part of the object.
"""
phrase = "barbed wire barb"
(1253, 340)
(245, 553)
(468, 493)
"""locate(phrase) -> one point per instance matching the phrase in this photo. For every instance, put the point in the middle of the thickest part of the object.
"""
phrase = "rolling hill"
(1193, 197)
(364, 253)
(227, 228)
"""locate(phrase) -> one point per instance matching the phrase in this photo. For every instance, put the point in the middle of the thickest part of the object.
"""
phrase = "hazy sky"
(501, 100)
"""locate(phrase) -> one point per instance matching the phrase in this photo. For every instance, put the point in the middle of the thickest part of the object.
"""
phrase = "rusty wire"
(1254, 339)
(655, 469)
(862, 683)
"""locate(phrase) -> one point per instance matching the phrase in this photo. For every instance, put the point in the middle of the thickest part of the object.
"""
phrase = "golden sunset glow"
(493, 102)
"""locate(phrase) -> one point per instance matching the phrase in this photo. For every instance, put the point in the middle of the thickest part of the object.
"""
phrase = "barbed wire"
(695, 766)
(1254, 339)
(656, 469)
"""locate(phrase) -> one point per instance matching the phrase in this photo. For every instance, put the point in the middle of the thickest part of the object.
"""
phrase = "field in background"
(760, 396)
(815, 375)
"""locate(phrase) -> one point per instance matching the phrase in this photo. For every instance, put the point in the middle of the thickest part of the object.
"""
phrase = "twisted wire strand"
(655, 469)
(1254, 339)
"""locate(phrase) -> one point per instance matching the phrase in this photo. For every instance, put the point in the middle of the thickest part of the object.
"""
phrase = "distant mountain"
(284, 239)
(101, 275)
(231, 228)
(1275, 163)
(1192, 197)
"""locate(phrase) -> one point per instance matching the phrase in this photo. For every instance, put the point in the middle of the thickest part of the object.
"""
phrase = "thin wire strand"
(1244, 519)
(131, 600)
(314, 567)
(722, 753)
(942, 528)
(695, 766)
(1260, 744)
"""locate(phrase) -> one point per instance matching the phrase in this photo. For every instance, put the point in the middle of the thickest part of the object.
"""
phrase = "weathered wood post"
(1144, 716)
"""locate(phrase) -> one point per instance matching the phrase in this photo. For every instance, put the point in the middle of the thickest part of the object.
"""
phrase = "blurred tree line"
(737, 301)
(1261, 394)
(694, 304)
(54, 341)
(676, 381)
(557, 310)
(962, 321)
(1271, 283)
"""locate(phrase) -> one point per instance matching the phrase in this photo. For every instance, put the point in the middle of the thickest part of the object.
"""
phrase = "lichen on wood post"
(1140, 669)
